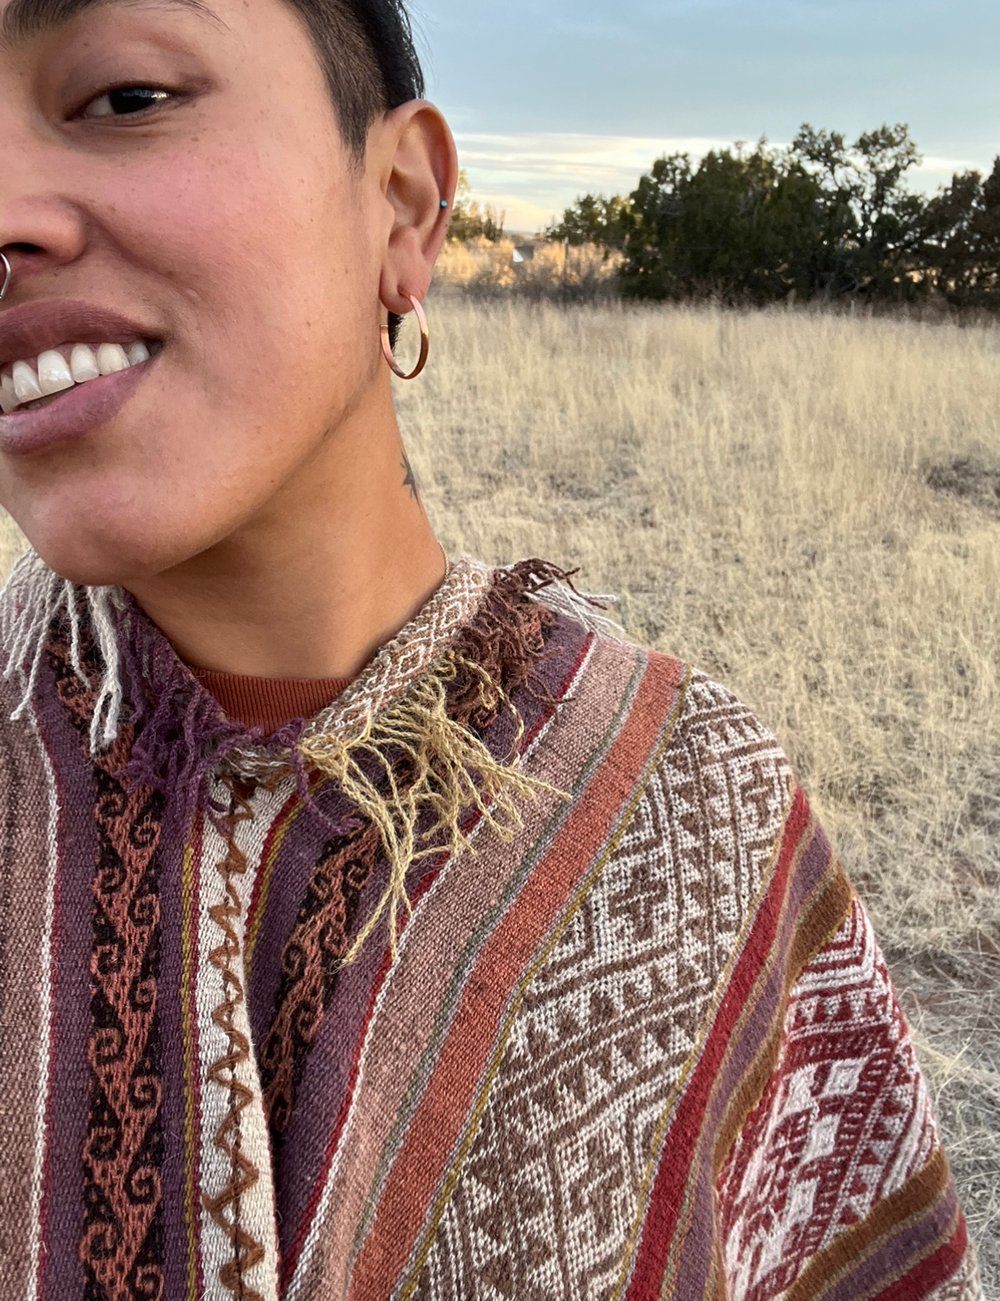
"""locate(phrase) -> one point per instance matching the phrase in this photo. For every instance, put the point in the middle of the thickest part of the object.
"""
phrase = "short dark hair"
(366, 51)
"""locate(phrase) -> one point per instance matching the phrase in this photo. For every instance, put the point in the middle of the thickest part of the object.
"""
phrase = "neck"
(338, 562)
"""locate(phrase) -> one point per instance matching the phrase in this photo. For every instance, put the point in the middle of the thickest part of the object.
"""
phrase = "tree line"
(823, 218)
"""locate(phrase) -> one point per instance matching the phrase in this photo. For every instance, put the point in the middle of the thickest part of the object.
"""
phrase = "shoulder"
(723, 903)
(703, 740)
(707, 798)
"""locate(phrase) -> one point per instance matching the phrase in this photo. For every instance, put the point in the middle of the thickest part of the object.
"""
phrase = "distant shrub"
(550, 272)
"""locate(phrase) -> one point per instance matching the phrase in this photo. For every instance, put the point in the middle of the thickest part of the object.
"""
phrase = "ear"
(418, 167)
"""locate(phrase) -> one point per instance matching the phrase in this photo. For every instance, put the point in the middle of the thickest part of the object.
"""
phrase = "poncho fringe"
(418, 769)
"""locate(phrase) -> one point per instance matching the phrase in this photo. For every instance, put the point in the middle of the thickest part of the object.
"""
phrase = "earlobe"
(423, 172)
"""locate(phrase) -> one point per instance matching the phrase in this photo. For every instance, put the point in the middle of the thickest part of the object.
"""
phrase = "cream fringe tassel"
(564, 599)
(32, 595)
(453, 771)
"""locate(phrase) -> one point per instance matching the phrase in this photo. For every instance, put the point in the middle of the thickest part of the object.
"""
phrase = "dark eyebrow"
(24, 19)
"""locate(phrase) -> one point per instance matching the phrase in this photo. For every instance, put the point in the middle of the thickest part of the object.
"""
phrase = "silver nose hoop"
(7, 275)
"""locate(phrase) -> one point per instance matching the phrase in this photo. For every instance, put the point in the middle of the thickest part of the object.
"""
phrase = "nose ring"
(7, 276)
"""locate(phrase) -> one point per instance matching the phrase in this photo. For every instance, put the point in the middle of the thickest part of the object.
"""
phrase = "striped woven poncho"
(521, 971)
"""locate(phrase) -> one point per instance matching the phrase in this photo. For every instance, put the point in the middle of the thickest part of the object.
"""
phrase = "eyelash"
(111, 90)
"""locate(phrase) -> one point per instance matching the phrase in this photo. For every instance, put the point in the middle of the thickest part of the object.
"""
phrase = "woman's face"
(225, 219)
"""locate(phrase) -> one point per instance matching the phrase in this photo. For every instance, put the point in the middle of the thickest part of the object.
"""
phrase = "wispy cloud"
(533, 177)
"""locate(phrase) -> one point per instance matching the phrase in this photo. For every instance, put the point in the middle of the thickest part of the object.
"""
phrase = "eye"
(128, 101)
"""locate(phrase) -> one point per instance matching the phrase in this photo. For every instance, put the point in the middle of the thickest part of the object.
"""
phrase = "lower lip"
(72, 415)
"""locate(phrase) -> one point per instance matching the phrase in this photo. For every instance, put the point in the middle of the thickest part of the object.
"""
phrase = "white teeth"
(8, 398)
(53, 373)
(58, 369)
(83, 363)
(111, 357)
(25, 382)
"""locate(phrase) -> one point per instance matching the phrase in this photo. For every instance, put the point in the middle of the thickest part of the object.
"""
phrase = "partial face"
(223, 216)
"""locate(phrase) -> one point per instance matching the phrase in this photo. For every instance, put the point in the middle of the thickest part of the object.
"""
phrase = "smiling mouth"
(152, 349)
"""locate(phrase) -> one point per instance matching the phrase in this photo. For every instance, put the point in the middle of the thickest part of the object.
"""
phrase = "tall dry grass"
(808, 507)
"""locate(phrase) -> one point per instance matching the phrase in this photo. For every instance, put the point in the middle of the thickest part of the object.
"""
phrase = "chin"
(105, 560)
(90, 571)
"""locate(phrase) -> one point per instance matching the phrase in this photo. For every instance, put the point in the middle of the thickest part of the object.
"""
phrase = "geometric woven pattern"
(553, 1183)
(121, 1239)
(636, 1042)
(845, 1122)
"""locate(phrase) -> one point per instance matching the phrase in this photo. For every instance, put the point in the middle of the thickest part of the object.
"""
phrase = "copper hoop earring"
(425, 343)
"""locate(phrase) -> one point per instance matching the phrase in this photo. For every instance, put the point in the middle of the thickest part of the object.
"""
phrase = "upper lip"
(27, 331)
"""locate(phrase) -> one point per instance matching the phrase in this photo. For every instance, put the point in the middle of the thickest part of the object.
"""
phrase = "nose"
(43, 221)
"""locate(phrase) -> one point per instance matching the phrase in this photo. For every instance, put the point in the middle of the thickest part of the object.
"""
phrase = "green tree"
(872, 226)
(740, 227)
(654, 247)
(825, 217)
(962, 239)
(593, 219)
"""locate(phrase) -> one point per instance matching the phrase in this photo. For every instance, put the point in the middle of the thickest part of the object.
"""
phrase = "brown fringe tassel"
(429, 746)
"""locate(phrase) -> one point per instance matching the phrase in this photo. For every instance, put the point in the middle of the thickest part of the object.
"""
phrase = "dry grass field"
(808, 507)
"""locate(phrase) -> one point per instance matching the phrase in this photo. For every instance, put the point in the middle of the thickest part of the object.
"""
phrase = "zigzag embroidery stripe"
(248, 1251)
(123, 1153)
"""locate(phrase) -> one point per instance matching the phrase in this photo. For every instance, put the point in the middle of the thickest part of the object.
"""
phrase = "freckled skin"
(250, 493)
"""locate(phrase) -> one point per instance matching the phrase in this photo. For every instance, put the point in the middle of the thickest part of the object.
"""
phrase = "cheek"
(226, 227)
(258, 269)
(262, 272)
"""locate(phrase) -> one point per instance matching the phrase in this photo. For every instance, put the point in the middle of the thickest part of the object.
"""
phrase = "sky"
(551, 100)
